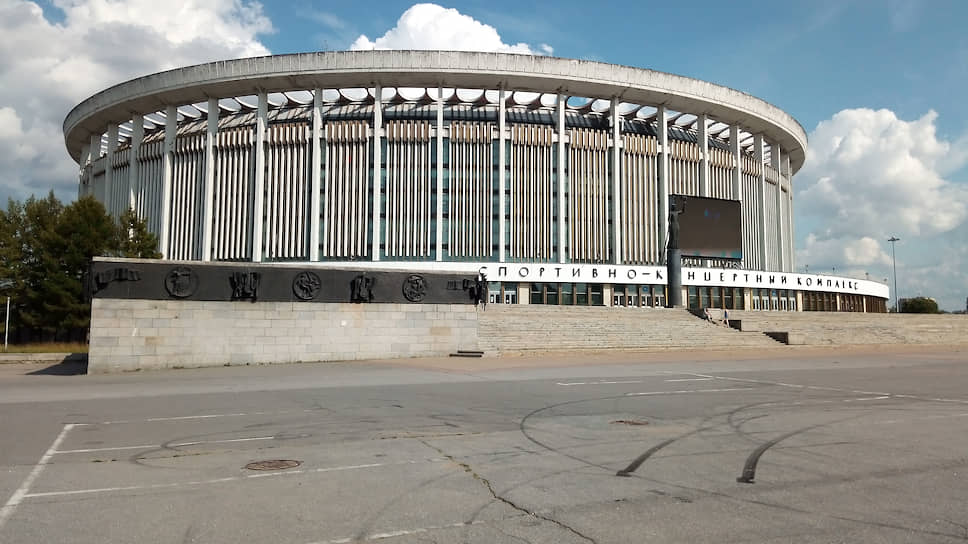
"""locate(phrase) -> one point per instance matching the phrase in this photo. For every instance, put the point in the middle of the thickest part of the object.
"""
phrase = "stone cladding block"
(133, 334)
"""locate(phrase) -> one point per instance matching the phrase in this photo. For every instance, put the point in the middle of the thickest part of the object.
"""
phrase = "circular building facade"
(551, 176)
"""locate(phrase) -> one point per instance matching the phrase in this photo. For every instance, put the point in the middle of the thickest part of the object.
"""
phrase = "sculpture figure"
(675, 210)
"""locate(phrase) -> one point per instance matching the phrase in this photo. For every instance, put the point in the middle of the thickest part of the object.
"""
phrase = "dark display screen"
(710, 227)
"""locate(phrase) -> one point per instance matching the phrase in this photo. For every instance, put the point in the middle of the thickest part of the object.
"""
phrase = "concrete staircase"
(843, 328)
(504, 328)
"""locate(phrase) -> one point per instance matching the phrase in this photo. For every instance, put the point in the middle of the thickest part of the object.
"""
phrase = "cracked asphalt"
(800, 445)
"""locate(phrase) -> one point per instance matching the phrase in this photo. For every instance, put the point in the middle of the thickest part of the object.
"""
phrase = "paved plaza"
(796, 445)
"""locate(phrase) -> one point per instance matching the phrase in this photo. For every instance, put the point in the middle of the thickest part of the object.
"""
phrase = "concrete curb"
(19, 358)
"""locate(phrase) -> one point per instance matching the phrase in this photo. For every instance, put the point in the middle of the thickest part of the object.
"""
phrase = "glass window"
(693, 301)
(581, 294)
(596, 294)
(659, 295)
(537, 296)
(551, 293)
(645, 295)
(704, 297)
(727, 298)
(567, 294)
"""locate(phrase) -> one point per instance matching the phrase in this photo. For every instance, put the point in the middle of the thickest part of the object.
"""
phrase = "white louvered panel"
(750, 207)
(98, 186)
(407, 209)
(120, 181)
(589, 191)
(639, 185)
(150, 178)
(721, 174)
(344, 202)
(287, 191)
(186, 198)
(769, 237)
(684, 165)
(232, 195)
(471, 185)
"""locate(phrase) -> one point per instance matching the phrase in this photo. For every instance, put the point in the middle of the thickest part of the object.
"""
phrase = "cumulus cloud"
(868, 171)
(870, 175)
(429, 26)
(96, 44)
(851, 253)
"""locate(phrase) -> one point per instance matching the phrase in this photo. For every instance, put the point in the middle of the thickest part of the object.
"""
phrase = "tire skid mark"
(749, 469)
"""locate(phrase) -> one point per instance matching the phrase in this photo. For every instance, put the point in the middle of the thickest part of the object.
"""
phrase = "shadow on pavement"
(72, 365)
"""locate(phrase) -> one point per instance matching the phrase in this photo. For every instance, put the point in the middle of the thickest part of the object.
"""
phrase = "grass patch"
(51, 347)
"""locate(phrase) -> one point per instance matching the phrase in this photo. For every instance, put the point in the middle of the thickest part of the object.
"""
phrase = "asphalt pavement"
(799, 445)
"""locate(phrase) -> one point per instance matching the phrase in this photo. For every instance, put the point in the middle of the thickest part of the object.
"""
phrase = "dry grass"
(52, 347)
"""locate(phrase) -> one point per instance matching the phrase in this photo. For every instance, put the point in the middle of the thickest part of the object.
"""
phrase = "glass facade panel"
(537, 294)
(567, 294)
(693, 293)
(645, 295)
(551, 293)
(596, 294)
(581, 294)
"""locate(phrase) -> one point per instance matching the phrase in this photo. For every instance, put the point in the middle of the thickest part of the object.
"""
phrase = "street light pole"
(897, 299)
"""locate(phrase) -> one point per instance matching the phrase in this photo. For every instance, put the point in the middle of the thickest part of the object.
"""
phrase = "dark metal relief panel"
(266, 283)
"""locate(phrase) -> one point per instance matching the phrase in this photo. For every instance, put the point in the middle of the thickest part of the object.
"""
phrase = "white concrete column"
(662, 126)
(439, 249)
(616, 160)
(501, 167)
(562, 179)
(84, 171)
(258, 205)
(168, 166)
(778, 202)
(377, 167)
(134, 166)
(703, 135)
(109, 200)
(761, 192)
(95, 146)
(316, 163)
(791, 261)
(210, 135)
(737, 155)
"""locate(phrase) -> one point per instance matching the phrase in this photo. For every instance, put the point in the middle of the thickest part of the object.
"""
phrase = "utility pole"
(897, 304)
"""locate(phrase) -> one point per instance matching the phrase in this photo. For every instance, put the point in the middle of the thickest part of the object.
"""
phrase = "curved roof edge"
(459, 69)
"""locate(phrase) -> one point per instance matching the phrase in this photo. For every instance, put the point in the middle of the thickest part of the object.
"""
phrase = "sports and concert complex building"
(551, 176)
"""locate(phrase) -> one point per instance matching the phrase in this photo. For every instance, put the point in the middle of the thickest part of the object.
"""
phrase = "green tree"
(36, 236)
(134, 239)
(46, 249)
(919, 305)
(84, 231)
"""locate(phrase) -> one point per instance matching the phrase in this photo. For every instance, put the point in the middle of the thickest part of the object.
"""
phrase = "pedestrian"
(726, 318)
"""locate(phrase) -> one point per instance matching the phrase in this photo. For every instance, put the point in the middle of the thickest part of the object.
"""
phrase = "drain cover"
(629, 422)
(273, 464)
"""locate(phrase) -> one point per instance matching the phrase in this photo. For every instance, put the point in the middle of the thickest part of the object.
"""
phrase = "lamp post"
(6, 328)
(897, 303)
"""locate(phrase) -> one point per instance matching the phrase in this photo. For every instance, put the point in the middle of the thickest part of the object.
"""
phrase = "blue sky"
(878, 85)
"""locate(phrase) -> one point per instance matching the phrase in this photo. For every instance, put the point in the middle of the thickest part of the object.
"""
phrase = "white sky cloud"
(46, 68)
(869, 176)
(429, 26)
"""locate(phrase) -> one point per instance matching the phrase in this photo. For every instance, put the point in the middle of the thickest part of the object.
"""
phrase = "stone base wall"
(133, 334)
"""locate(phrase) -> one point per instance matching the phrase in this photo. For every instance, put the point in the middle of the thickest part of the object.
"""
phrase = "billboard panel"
(710, 227)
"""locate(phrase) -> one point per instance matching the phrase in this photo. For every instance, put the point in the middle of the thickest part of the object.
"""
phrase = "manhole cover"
(629, 422)
(274, 464)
